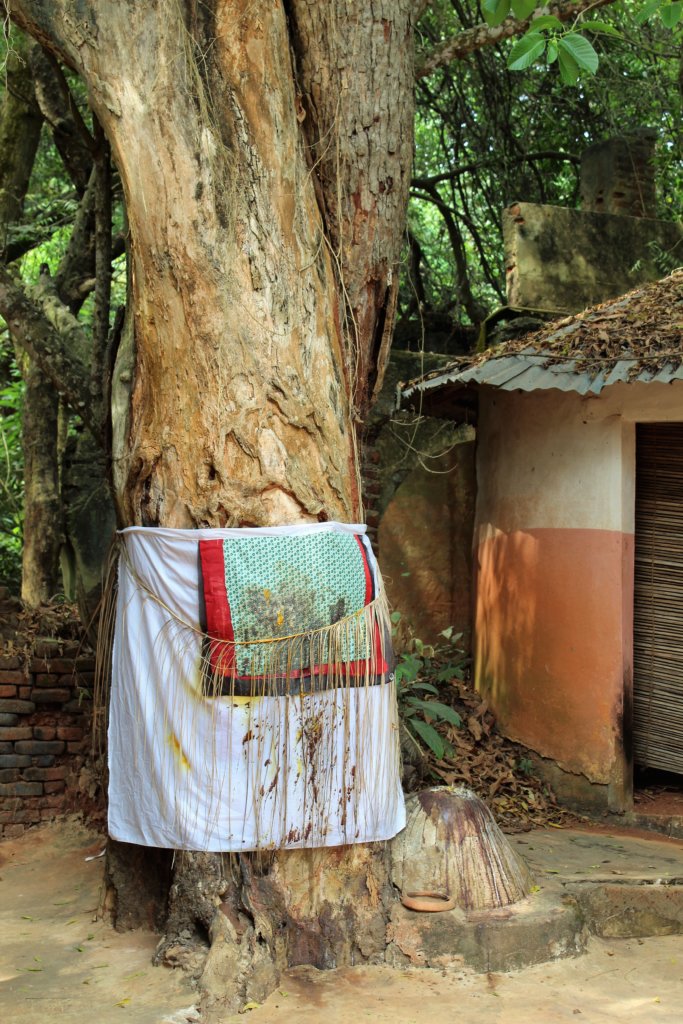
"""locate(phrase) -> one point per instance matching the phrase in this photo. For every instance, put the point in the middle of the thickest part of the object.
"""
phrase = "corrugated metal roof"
(532, 371)
(584, 353)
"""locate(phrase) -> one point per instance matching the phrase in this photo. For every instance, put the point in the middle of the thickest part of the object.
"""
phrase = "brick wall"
(45, 711)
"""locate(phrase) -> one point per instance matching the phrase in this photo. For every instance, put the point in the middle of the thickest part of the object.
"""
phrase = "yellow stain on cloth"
(178, 752)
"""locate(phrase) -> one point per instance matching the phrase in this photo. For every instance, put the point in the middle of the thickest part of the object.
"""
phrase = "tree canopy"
(495, 122)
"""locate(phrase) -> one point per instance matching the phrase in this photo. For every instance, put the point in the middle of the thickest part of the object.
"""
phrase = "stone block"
(563, 260)
(77, 748)
(78, 705)
(57, 786)
(46, 678)
(46, 774)
(14, 761)
(24, 692)
(21, 789)
(45, 732)
(47, 647)
(7, 691)
(9, 774)
(9, 661)
(44, 761)
(37, 747)
(13, 831)
(17, 707)
(16, 732)
(6, 719)
(617, 175)
(70, 732)
(55, 800)
(54, 666)
(51, 696)
(11, 676)
(623, 910)
(6, 748)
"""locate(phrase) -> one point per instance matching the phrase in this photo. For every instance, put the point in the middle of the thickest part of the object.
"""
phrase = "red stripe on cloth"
(218, 618)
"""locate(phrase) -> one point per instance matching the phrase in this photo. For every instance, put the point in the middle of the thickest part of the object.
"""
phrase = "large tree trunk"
(20, 127)
(42, 506)
(265, 196)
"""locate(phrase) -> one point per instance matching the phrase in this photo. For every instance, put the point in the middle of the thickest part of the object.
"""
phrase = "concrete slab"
(569, 854)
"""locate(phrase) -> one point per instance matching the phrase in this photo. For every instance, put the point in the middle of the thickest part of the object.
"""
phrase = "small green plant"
(419, 671)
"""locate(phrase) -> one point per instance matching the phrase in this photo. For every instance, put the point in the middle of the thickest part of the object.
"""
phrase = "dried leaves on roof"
(645, 325)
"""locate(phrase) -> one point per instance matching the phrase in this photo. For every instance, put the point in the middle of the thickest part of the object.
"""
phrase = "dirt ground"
(57, 963)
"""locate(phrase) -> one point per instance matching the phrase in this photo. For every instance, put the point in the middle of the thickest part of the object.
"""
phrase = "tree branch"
(54, 338)
(474, 310)
(546, 154)
(103, 247)
(72, 139)
(473, 39)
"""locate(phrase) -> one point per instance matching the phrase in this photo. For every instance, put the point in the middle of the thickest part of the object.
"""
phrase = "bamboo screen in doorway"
(658, 598)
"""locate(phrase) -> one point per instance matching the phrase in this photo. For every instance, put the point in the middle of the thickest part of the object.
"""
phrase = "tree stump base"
(236, 922)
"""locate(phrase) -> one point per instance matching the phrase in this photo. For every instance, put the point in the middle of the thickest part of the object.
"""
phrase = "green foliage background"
(485, 136)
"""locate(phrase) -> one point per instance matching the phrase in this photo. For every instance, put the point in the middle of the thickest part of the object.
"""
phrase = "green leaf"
(671, 14)
(647, 11)
(430, 736)
(395, 617)
(448, 673)
(601, 27)
(435, 709)
(578, 47)
(408, 667)
(551, 54)
(447, 633)
(525, 51)
(445, 712)
(569, 69)
(546, 21)
(495, 11)
(424, 686)
(523, 8)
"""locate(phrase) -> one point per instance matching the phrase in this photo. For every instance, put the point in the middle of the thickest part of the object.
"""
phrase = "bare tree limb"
(475, 165)
(473, 39)
(71, 136)
(103, 246)
(474, 310)
(54, 338)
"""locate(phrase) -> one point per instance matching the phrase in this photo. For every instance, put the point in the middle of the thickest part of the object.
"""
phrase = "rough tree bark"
(40, 575)
(265, 194)
(264, 149)
(20, 127)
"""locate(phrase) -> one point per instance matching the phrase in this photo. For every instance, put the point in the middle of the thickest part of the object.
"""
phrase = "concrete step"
(587, 883)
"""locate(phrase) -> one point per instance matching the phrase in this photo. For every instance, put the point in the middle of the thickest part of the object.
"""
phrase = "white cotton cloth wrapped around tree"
(235, 773)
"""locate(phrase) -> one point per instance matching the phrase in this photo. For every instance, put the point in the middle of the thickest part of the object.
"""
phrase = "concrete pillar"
(617, 175)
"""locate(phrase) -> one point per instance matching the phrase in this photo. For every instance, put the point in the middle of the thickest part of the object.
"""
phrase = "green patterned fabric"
(278, 586)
